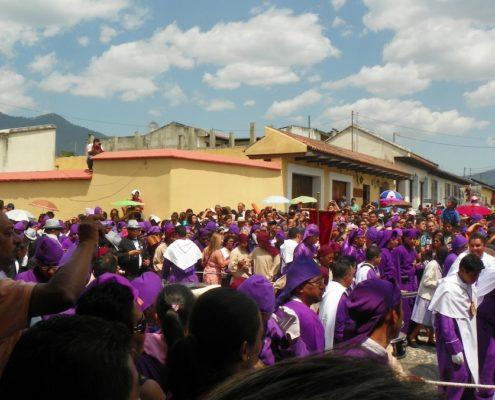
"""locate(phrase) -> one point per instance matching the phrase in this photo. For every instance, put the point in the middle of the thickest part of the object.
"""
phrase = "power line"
(445, 144)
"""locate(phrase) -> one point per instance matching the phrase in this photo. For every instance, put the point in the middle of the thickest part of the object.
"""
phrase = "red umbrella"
(44, 204)
(473, 209)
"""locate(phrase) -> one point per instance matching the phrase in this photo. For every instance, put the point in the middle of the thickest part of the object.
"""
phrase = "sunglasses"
(140, 327)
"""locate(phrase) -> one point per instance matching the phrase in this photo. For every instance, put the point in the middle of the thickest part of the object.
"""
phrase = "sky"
(423, 69)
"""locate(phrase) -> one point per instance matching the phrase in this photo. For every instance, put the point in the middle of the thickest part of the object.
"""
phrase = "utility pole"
(464, 172)
(393, 137)
(309, 121)
(352, 130)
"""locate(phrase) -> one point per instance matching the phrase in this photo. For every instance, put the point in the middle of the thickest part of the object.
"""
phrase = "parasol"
(304, 200)
(276, 200)
(473, 209)
(44, 204)
(19, 215)
(127, 203)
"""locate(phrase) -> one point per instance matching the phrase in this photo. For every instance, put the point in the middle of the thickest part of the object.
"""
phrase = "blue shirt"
(452, 216)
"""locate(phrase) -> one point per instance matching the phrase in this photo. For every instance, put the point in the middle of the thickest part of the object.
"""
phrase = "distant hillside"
(67, 133)
(486, 177)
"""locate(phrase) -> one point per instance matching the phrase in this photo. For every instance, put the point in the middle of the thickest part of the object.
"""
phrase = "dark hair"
(438, 234)
(181, 231)
(323, 377)
(293, 232)
(341, 267)
(477, 235)
(372, 252)
(441, 254)
(173, 306)
(110, 301)
(88, 358)
(471, 263)
(221, 321)
(104, 264)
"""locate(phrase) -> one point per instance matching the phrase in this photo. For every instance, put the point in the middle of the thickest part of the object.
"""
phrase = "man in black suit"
(133, 254)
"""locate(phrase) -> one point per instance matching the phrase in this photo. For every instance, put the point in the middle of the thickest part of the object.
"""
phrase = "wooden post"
(318, 196)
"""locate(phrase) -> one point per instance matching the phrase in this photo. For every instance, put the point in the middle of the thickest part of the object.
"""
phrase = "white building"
(30, 148)
(429, 184)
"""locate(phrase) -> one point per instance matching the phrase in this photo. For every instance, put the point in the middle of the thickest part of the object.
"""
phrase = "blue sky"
(421, 68)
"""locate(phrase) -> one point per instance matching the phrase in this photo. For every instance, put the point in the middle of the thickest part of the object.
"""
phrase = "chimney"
(231, 139)
(91, 137)
(213, 139)
(192, 138)
(252, 133)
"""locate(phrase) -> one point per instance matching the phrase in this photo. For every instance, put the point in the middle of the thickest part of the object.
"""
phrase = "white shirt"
(287, 251)
(374, 347)
(138, 247)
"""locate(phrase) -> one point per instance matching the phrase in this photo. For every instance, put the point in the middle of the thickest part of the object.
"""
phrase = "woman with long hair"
(213, 261)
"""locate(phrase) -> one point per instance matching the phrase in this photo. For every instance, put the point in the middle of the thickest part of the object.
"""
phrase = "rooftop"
(27, 129)
(55, 175)
(187, 155)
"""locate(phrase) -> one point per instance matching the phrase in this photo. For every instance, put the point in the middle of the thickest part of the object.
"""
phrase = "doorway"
(302, 185)
(339, 189)
(366, 194)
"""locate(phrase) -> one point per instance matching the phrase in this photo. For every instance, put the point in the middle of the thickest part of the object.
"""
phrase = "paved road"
(421, 362)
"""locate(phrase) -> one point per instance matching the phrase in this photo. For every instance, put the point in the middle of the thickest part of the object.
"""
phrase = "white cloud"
(233, 75)
(448, 40)
(83, 41)
(338, 4)
(135, 18)
(251, 52)
(389, 80)
(12, 95)
(314, 78)
(20, 24)
(483, 96)
(385, 115)
(338, 22)
(217, 105)
(287, 107)
(155, 112)
(107, 33)
(44, 64)
(249, 103)
(174, 95)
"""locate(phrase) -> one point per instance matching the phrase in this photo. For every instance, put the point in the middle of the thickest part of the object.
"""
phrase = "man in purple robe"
(181, 258)
(71, 238)
(454, 314)
(375, 306)
(333, 307)
(47, 255)
(404, 259)
(388, 242)
(303, 288)
(459, 244)
(307, 247)
(354, 246)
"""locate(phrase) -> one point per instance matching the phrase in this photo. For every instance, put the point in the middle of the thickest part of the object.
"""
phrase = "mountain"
(486, 177)
(69, 136)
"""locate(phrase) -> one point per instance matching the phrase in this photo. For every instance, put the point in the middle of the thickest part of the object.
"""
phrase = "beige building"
(27, 149)
(428, 183)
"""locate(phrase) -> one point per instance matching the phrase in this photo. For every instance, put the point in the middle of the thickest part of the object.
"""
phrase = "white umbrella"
(19, 215)
(276, 200)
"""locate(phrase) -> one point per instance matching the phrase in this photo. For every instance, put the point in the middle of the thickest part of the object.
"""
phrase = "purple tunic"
(304, 250)
(448, 344)
(403, 259)
(174, 274)
(448, 263)
(387, 267)
(27, 276)
(359, 254)
(312, 331)
(354, 349)
(342, 320)
(486, 343)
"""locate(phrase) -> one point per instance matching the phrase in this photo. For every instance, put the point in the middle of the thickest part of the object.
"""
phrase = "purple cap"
(370, 301)
(109, 277)
(98, 210)
(74, 229)
(476, 217)
(301, 270)
(311, 230)
(233, 228)
(148, 286)
(354, 234)
(167, 226)
(411, 233)
(154, 230)
(373, 235)
(280, 236)
(459, 242)
(211, 226)
(19, 226)
(387, 235)
(261, 291)
(48, 252)
(121, 225)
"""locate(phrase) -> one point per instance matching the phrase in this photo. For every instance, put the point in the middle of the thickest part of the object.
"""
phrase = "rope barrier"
(457, 384)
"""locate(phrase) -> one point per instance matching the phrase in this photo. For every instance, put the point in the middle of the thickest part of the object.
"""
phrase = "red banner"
(325, 224)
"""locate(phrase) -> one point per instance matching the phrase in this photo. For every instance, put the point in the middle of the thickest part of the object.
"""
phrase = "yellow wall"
(68, 163)
(237, 152)
(200, 185)
(486, 195)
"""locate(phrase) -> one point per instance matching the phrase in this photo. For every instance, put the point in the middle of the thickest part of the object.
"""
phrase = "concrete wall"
(27, 149)
(71, 163)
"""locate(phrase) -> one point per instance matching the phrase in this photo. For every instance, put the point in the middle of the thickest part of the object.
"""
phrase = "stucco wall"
(27, 150)
(68, 163)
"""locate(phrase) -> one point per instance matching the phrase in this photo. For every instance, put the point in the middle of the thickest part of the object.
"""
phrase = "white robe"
(287, 251)
(328, 310)
(183, 253)
(488, 262)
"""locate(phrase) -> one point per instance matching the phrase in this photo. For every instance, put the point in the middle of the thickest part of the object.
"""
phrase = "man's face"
(430, 227)
(133, 233)
(8, 242)
(476, 246)
(447, 228)
(421, 226)
(469, 277)
(373, 219)
(314, 288)
(327, 260)
(240, 207)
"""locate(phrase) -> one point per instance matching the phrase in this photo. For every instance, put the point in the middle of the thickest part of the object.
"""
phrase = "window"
(434, 191)
(448, 190)
(302, 185)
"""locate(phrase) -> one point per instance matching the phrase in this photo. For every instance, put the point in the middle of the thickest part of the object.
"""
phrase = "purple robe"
(342, 321)
(28, 276)
(272, 350)
(354, 349)
(304, 250)
(486, 343)
(174, 274)
(67, 243)
(404, 259)
(449, 343)
(358, 254)
(312, 331)
(448, 263)
(387, 267)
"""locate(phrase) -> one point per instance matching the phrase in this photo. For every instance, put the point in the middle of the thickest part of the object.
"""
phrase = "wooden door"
(366, 194)
(339, 189)
(302, 185)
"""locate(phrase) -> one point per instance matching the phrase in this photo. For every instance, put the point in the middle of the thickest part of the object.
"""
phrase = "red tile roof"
(349, 155)
(202, 156)
(55, 175)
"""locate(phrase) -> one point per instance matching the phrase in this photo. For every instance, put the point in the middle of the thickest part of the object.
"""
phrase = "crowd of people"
(245, 303)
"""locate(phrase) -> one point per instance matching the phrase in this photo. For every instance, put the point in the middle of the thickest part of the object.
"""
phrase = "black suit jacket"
(130, 264)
